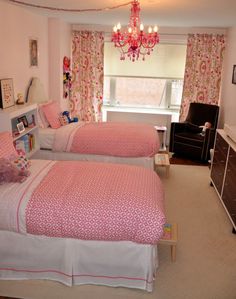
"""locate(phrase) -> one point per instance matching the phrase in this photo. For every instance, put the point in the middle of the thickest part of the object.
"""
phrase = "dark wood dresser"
(223, 173)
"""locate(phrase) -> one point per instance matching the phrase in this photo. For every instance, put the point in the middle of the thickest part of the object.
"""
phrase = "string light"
(69, 9)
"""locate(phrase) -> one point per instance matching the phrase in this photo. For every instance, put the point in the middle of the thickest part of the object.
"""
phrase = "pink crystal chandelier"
(134, 42)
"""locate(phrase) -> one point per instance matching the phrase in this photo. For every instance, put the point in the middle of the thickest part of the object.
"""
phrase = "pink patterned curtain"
(87, 75)
(202, 77)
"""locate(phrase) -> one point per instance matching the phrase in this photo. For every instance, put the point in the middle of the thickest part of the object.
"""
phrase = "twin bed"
(123, 143)
(129, 143)
(82, 222)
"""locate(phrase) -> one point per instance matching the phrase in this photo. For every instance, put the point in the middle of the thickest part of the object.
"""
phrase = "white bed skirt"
(147, 162)
(75, 262)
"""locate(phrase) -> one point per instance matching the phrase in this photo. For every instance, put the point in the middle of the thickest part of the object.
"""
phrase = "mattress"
(106, 138)
(85, 200)
(46, 138)
(147, 162)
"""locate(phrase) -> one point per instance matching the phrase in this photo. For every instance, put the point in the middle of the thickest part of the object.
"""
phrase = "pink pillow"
(42, 121)
(7, 149)
(52, 113)
(21, 162)
(10, 173)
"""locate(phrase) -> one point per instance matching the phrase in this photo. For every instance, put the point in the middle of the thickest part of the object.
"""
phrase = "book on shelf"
(20, 146)
(167, 231)
(26, 143)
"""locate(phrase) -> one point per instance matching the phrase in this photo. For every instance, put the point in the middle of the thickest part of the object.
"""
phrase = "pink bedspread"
(98, 201)
(116, 139)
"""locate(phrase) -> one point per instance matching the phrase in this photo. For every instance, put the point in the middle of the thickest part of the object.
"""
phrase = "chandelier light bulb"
(115, 29)
(149, 29)
(118, 26)
(130, 30)
(141, 27)
(155, 29)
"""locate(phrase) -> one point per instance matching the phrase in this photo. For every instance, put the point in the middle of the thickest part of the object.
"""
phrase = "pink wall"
(17, 26)
(228, 97)
(59, 46)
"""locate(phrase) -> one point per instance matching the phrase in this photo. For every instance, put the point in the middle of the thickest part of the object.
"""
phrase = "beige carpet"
(206, 251)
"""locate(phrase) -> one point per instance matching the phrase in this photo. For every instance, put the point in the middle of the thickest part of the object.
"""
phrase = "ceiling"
(165, 13)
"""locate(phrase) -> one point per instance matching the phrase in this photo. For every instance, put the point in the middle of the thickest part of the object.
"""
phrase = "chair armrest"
(178, 127)
(210, 134)
(175, 127)
(185, 127)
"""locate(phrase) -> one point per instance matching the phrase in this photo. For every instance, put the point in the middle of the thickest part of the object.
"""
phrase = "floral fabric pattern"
(87, 75)
(202, 79)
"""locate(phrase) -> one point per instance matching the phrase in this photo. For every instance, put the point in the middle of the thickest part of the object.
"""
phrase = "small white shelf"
(27, 131)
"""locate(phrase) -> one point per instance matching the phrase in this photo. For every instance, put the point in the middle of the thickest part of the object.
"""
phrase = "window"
(155, 83)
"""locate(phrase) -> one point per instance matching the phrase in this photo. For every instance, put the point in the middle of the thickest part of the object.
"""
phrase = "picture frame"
(6, 93)
(24, 120)
(33, 52)
(234, 75)
(20, 127)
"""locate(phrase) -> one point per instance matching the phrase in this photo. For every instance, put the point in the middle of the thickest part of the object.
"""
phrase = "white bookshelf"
(9, 119)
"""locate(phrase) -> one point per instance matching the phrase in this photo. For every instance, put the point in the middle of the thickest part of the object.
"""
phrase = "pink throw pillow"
(7, 149)
(10, 173)
(21, 162)
(52, 113)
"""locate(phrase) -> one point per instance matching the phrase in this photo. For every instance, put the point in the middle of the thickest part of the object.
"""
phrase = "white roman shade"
(165, 61)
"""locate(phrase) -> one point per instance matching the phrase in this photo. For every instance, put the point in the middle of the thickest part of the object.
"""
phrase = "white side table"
(162, 130)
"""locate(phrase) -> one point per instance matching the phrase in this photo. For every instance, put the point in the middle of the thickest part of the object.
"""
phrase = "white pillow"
(36, 93)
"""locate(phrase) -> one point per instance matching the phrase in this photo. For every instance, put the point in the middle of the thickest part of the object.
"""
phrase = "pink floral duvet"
(108, 138)
(97, 201)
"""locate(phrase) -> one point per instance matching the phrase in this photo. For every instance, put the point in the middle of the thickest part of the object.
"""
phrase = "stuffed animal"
(10, 173)
(70, 120)
(206, 126)
(66, 77)
(63, 120)
(67, 114)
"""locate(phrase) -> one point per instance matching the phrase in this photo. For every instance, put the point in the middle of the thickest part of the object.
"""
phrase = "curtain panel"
(202, 79)
(87, 75)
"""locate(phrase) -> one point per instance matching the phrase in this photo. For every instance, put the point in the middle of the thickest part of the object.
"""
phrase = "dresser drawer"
(223, 173)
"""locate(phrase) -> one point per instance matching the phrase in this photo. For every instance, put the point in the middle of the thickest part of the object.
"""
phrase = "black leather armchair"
(186, 138)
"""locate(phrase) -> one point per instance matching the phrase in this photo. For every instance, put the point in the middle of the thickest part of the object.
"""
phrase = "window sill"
(140, 110)
(173, 114)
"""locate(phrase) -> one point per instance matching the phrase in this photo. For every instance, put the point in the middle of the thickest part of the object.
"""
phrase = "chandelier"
(134, 42)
